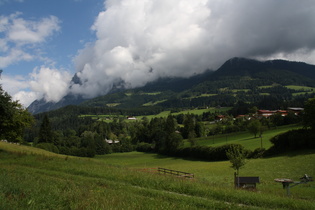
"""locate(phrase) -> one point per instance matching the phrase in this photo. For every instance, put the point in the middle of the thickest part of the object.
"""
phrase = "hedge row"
(293, 140)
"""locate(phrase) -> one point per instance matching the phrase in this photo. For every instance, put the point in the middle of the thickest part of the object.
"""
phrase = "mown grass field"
(31, 178)
(245, 138)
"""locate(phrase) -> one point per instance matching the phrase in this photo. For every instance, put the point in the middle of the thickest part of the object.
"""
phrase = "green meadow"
(244, 138)
(164, 114)
(31, 178)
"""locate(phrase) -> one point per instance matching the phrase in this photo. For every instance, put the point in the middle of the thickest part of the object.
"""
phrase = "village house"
(296, 110)
(109, 141)
(265, 113)
(268, 113)
(219, 117)
(131, 118)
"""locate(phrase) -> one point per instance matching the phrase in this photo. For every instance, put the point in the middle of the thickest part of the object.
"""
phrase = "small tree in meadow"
(254, 127)
(237, 157)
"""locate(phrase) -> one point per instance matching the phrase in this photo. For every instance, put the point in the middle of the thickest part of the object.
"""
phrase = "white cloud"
(51, 84)
(141, 40)
(138, 41)
(44, 82)
(7, 1)
(13, 84)
(27, 32)
(20, 37)
(25, 97)
(14, 55)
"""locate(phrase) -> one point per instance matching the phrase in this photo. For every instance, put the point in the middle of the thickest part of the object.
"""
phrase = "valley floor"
(34, 179)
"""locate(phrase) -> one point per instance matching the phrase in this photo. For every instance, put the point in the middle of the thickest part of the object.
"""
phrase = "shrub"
(144, 147)
(209, 153)
(292, 140)
(257, 153)
(48, 146)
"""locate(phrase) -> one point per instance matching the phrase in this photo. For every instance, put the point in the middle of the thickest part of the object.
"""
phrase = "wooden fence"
(176, 173)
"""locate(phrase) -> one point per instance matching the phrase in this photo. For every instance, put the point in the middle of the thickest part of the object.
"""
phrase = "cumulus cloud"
(16, 86)
(44, 82)
(51, 84)
(139, 41)
(19, 37)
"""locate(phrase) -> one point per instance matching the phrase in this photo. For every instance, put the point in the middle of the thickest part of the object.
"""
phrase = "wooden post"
(236, 181)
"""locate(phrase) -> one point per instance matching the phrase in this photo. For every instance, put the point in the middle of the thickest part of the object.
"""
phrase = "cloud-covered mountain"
(268, 72)
(141, 41)
(138, 41)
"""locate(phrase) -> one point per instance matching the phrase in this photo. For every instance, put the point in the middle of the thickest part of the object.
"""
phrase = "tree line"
(63, 131)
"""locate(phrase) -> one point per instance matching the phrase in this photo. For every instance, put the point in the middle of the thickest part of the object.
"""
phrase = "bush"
(292, 140)
(209, 153)
(144, 147)
(257, 153)
(48, 146)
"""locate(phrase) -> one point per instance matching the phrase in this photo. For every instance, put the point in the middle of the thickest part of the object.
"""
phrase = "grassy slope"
(29, 180)
(244, 138)
(164, 114)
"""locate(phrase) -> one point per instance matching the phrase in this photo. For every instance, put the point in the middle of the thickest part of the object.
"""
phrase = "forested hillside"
(268, 85)
(284, 83)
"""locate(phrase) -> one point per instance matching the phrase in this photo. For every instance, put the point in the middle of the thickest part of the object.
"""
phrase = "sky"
(129, 43)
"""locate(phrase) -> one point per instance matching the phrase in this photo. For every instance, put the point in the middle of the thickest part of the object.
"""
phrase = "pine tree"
(45, 131)
(309, 114)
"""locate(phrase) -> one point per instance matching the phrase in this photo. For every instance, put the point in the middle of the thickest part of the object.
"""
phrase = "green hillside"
(245, 139)
(32, 179)
(238, 79)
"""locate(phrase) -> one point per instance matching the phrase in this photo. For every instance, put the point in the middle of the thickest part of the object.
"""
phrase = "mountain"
(254, 68)
(237, 79)
(175, 84)
(42, 106)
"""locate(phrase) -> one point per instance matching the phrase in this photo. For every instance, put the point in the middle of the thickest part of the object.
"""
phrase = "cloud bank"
(44, 83)
(139, 41)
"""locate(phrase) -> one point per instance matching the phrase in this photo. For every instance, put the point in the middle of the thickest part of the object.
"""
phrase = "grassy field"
(302, 89)
(244, 138)
(164, 114)
(153, 103)
(31, 178)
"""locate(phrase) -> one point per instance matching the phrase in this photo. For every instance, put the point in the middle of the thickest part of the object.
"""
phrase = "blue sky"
(43, 43)
(75, 18)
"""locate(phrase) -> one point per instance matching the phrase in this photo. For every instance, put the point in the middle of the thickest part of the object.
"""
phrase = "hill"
(238, 79)
(34, 179)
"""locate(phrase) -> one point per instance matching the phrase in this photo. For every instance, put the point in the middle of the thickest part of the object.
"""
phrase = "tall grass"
(244, 138)
(31, 180)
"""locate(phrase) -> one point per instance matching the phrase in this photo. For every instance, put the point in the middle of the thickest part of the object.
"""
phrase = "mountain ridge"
(237, 73)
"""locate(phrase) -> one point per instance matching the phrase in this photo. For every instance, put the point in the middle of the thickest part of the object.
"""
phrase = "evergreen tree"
(170, 125)
(45, 131)
(189, 126)
(309, 114)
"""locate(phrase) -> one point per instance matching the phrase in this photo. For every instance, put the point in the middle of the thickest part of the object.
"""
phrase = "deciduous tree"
(254, 127)
(13, 118)
(237, 157)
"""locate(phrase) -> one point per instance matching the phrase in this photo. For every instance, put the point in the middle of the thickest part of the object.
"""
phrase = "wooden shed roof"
(248, 180)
